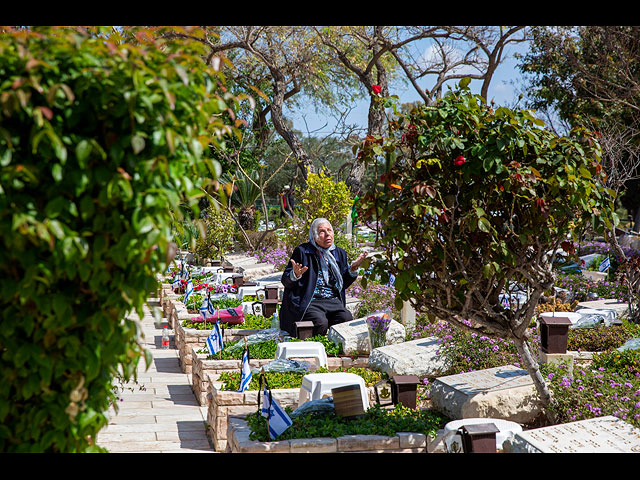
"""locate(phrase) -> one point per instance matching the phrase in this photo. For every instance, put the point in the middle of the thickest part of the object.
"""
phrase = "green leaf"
(484, 225)
(137, 143)
(83, 149)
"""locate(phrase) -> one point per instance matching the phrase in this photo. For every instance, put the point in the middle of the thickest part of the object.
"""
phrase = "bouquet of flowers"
(378, 324)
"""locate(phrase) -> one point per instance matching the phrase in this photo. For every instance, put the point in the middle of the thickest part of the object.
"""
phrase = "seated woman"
(315, 282)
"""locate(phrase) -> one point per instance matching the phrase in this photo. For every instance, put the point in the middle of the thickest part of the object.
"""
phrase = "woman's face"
(324, 237)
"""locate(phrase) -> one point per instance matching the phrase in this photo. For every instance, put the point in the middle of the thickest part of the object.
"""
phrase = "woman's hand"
(298, 269)
(356, 263)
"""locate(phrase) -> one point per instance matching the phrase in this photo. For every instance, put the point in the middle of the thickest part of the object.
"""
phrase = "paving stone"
(159, 413)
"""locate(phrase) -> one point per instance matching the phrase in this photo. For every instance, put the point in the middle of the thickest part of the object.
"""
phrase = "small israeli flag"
(214, 340)
(176, 283)
(245, 378)
(606, 263)
(188, 292)
(278, 419)
(204, 308)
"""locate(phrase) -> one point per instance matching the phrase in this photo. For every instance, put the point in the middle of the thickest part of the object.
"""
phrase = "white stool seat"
(302, 350)
(316, 385)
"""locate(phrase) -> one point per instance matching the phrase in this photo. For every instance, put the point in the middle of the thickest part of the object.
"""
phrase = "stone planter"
(238, 442)
(188, 339)
(203, 370)
(225, 406)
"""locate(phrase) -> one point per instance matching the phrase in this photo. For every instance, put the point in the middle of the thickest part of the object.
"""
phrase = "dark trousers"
(325, 313)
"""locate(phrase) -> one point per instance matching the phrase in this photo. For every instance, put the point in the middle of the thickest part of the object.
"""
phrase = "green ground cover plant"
(601, 338)
(268, 348)
(593, 392)
(251, 321)
(294, 379)
(375, 421)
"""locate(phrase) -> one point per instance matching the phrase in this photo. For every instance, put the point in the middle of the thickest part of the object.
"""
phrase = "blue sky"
(501, 90)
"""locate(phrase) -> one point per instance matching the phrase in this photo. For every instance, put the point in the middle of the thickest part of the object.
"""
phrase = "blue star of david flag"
(204, 308)
(606, 263)
(245, 378)
(176, 283)
(188, 292)
(214, 340)
(277, 418)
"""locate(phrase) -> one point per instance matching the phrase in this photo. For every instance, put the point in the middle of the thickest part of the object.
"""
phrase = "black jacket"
(298, 294)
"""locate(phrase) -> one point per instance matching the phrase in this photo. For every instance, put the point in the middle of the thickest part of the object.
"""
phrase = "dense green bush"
(218, 234)
(101, 138)
(323, 197)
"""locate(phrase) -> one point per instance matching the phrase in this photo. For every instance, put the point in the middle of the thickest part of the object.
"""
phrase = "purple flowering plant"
(591, 392)
(276, 256)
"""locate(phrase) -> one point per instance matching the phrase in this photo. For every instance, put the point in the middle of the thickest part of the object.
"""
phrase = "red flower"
(459, 161)
(376, 89)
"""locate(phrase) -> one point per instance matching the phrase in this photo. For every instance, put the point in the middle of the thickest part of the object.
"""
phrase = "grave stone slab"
(505, 392)
(621, 308)
(607, 434)
(354, 335)
(416, 357)
(252, 271)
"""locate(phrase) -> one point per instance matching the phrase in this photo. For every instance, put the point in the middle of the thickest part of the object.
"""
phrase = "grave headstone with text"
(607, 434)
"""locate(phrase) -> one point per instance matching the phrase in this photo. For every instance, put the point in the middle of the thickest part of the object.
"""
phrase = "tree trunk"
(531, 365)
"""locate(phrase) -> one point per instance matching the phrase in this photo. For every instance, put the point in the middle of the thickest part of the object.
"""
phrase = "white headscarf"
(325, 253)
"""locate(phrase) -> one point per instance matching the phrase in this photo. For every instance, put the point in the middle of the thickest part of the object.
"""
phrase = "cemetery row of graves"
(398, 381)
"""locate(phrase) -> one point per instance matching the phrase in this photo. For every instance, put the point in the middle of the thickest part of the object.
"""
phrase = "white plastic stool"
(316, 385)
(302, 350)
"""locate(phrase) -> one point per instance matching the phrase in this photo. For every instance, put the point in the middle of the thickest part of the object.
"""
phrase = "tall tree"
(379, 55)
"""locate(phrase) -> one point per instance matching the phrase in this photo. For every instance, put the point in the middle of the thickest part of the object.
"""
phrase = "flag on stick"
(214, 340)
(204, 308)
(604, 266)
(188, 292)
(277, 418)
(245, 378)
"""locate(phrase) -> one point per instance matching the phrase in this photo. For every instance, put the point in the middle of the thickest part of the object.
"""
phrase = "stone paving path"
(165, 417)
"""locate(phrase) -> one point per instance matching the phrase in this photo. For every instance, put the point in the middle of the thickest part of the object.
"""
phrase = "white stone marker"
(607, 434)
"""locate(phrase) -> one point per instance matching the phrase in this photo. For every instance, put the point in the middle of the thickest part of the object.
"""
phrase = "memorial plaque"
(480, 381)
(597, 435)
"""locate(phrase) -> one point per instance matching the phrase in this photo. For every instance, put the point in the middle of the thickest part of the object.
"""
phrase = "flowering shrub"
(580, 286)
(587, 248)
(373, 298)
(469, 351)
(278, 257)
(592, 392)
